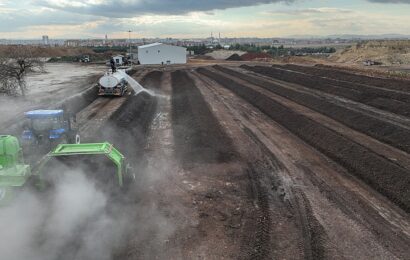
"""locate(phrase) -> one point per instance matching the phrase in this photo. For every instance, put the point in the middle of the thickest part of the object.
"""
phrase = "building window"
(146, 51)
(159, 51)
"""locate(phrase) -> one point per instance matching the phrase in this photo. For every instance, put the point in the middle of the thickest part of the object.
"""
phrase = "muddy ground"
(50, 89)
(260, 163)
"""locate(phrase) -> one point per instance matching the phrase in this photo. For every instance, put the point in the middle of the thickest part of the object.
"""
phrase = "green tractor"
(101, 162)
(14, 174)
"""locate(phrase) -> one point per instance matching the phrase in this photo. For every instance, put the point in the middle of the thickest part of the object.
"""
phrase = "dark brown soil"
(234, 57)
(152, 80)
(391, 134)
(383, 99)
(128, 127)
(342, 74)
(198, 135)
(385, 176)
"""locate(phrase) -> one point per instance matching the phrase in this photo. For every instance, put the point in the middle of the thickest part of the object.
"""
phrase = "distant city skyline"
(64, 19)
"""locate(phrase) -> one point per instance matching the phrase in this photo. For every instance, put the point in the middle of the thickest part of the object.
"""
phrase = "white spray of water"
(137, 87)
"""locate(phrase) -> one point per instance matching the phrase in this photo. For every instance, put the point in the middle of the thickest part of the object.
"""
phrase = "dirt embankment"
(43, 51)
(385, 176)
(386, 52)
(224, 54)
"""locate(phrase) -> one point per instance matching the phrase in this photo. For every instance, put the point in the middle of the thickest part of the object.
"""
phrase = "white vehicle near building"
(161, 54)
(119, 60)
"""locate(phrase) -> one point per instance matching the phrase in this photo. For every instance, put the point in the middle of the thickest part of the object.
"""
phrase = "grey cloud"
(308, 11)
(390, 1)
(20, 19)
(127, 8)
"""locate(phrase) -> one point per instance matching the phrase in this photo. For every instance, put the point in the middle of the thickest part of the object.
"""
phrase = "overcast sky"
(198, 18)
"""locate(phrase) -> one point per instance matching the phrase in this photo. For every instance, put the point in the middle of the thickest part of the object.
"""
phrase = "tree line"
(272, 50)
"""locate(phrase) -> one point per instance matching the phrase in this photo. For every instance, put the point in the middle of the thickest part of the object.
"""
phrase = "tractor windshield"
(44, 124)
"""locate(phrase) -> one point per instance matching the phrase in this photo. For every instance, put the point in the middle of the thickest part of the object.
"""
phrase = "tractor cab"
(48, 126)
(13, 172)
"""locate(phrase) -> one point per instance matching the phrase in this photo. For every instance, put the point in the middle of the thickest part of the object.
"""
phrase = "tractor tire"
(75, 138)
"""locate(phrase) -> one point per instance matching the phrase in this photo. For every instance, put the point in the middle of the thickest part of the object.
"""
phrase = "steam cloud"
(71, 222)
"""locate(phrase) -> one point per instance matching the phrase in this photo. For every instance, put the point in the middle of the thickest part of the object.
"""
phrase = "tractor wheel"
(77, 139)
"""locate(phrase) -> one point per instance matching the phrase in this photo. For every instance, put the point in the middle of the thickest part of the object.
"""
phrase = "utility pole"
(129, 40)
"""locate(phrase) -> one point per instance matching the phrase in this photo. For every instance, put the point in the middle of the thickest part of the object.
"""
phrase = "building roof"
(158, 44)
(149, 45)
(43, 113)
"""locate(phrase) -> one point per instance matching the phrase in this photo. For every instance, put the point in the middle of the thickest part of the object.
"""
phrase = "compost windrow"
(390, 101)
(128, 127)
(198, 135)
(381, 174)
(388, 133)
(342, 74)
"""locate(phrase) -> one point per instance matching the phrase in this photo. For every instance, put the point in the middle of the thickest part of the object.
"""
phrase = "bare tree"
(15, 66)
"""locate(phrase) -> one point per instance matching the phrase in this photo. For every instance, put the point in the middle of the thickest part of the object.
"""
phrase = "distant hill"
(353, 36)
(387, 52)
(39, 51)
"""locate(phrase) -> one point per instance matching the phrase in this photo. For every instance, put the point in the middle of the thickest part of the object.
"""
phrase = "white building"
(119, 60)
(158, 53)
(46, 40)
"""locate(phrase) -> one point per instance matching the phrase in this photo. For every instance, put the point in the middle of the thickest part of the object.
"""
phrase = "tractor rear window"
(43, 124)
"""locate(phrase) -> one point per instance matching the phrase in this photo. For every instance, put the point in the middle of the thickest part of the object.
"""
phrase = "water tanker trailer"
(113, 84)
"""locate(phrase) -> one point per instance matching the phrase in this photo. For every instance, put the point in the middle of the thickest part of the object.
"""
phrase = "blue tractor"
(47, 129)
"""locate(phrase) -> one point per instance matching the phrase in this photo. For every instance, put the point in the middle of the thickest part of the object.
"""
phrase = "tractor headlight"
(56, 133)
(27, 135)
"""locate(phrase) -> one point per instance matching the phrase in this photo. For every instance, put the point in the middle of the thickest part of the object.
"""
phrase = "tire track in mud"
(386, 177)
(311, 232)
(190, 111)
(274, 201)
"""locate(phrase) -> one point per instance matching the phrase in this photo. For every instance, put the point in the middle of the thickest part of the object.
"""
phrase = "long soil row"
(397, 103)
(388, 133)
(340, 74)
(128, 127)
(198, 135)
(383, 175)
